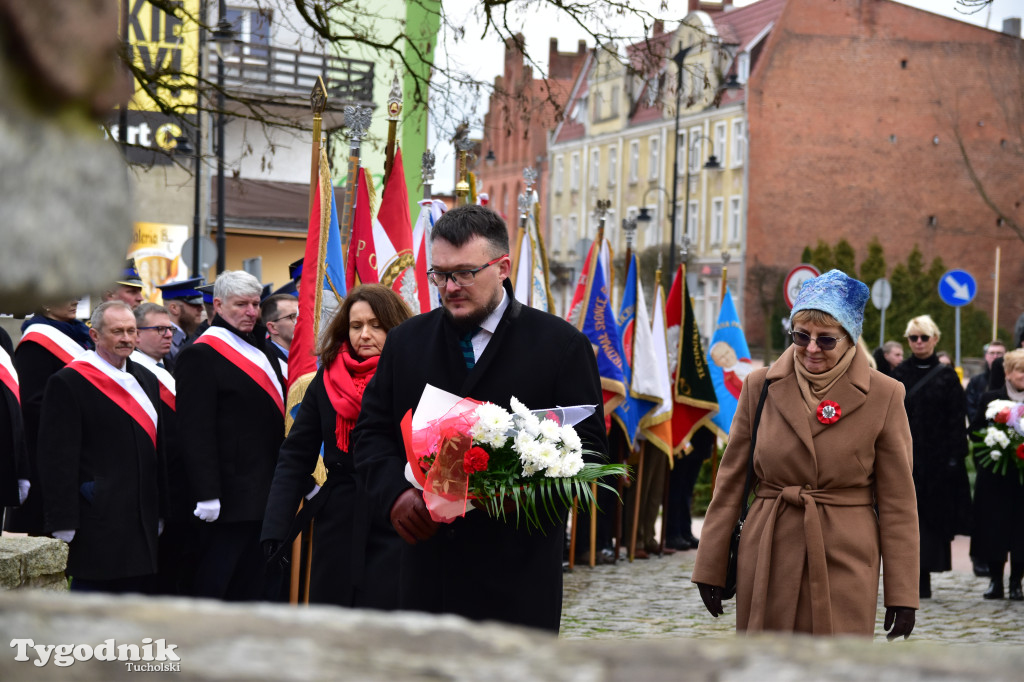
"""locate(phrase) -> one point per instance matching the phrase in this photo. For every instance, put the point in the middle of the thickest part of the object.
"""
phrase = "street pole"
(679, 58)
(221, 238)
(197, 173)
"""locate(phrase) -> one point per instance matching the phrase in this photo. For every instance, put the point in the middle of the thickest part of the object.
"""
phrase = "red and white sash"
(121, 387)
(53, 340)
(9, 375)
(168, 391)
(247, 358)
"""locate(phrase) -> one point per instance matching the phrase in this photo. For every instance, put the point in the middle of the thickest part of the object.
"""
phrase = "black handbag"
(729, 591)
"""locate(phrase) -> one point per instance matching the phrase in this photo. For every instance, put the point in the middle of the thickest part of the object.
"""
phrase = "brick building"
(856, 110)
(521, 111)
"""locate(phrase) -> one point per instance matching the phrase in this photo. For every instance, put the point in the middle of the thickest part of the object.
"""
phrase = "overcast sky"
(484, 58)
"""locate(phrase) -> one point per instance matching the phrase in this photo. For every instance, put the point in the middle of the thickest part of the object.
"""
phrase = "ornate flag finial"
(357, 120)
(395, 99)
(530, 176)
(427, 167)
(318, 97)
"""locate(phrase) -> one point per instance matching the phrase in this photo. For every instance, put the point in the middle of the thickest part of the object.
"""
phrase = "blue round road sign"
(957, 288)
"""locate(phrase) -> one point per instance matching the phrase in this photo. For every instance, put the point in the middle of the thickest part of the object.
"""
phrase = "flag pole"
(427, 173)
(462, 145)
(721, 302)
(394, 113)
(357, 120)
(529, 176)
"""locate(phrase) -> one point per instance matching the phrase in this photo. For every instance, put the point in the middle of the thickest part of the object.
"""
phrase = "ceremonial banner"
(531, 283)
(393, 240)
(362, 252)
(729, 363)
(693, 389)
(639, 369)
(430, 211)
(597, 322)
(656, 427)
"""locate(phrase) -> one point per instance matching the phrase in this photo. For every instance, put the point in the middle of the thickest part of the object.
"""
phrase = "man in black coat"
(14, 471)
(101, 460)
(485, 345)
(230, 407)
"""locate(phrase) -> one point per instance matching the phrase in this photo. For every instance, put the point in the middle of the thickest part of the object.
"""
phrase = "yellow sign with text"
(164, 49)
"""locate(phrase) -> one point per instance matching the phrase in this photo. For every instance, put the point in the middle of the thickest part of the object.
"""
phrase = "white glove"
(65, 535)
(311, 493)
(207, 510)
(24, 485)
(160, 527)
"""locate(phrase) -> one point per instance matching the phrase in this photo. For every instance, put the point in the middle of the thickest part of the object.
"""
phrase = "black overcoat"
(13, 456)
(342, 526)
(477, 566)
(89, 447)
(938, 424)
(230, 430)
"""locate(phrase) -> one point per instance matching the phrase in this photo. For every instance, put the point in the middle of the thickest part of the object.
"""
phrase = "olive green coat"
(812, 544)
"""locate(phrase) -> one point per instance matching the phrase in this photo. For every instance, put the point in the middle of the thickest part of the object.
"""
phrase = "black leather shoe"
(1016, 594)
(693, 541)
(679, 543)
(995, 590)
(980, 569)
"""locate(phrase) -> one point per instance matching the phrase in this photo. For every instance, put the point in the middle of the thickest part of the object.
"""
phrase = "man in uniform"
(184, 304)
(485, 345)
(231, 412)
(128, 288)
(101, 460)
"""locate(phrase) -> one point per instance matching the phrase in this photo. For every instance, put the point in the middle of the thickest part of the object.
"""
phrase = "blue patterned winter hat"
(837, 294)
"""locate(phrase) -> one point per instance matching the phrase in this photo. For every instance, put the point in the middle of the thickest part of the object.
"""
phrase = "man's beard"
(473, 321)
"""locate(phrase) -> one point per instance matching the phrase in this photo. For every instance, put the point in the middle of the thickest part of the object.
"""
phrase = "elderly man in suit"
(230, 408)
(101, 460)
(482, 344)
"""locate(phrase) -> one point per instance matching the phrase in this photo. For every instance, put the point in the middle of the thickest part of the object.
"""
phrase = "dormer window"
(743, 67)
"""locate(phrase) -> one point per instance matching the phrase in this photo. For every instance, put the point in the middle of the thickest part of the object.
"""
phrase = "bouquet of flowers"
(1003, 438)
(524, 462)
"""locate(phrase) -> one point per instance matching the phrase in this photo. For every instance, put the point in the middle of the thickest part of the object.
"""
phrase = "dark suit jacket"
(35, 366)
(102, 476)
(478, 567)
(230, 431)
(13, 457)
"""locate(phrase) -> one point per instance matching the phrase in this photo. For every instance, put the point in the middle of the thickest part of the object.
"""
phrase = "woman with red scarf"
(352, 556)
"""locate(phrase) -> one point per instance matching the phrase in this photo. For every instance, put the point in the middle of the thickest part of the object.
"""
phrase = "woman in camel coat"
(833, 446)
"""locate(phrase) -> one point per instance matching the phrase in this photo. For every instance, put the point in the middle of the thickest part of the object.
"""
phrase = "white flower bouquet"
(1002, 441)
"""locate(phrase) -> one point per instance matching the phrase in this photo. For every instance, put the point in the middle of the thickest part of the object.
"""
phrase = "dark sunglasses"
(824, 342)
(915, 337)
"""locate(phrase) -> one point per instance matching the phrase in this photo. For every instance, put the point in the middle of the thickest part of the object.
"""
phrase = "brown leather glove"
(899, 620)
(712, 597)
(410, 517)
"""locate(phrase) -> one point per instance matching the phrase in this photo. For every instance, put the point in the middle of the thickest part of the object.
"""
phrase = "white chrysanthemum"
(550, 430)
(548, 454)
(570, 438)
(528, 449)
(997, 406)
(492, 425)
(572, 463)
(528, 423)
(995, 455)
(994, 436)
(518, 407)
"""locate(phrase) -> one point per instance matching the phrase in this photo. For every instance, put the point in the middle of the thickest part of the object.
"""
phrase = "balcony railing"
(278, 71)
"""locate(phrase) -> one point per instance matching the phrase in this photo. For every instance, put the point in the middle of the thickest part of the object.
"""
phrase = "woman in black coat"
(355, 561)
(999, 499)
(937, 411)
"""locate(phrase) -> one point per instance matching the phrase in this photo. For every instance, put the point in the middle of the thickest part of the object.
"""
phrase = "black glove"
(410, 517)
(712, 597)
(899, 620)
(270, 548)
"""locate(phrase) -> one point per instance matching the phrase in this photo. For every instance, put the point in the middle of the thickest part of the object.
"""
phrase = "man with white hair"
(231, 410)
(101, 460)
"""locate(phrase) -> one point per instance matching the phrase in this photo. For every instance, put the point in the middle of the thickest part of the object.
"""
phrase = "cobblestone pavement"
(655, 598)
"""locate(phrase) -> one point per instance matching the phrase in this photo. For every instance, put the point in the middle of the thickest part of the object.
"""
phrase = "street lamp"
(678, 58)
(223, 40)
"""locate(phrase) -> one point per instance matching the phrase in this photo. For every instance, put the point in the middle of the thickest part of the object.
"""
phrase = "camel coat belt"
(797, 496)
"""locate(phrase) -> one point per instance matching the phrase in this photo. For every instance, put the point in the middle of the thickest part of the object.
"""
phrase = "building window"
(696, 83)
(579, 112)
(574, 172)
(610, 222)
(615, 101)
(556, 234)
(613, 165)
(252, 26)
(743, 67)
(651, 232)
(734, 220)
(559, 175)
(634, 161)
(739, 143)
(573, 231)
(692, 212)
(719, 147)
(595, 167)
(681, 153)
(654, 162)
(696, 149)
(717, 217)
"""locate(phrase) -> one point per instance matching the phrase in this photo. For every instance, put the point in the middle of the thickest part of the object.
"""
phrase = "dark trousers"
(682, 479)
(136, 584)
(231, 564)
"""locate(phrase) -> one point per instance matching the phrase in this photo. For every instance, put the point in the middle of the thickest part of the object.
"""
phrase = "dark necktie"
(466, 343)
(160, 365)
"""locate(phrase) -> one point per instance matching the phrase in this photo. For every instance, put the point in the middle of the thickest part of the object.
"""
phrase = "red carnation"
(475, 460)
(828, 412)
(1003, 416)
(1020, 451)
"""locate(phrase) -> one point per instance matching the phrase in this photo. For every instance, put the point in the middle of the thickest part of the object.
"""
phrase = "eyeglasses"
(286, 317)
(824, 342)
(462, 278)
(915, 337)
(160, 330)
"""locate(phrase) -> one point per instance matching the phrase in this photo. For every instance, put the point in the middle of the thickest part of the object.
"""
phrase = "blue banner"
(728, 361)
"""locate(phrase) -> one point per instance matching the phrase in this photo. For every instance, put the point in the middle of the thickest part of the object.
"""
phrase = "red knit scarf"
(345, 380)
